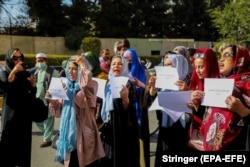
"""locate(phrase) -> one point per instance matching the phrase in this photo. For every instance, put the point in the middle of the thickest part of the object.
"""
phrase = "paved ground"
(44, 157)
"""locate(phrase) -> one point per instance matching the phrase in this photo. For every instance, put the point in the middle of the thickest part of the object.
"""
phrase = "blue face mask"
(41, 65)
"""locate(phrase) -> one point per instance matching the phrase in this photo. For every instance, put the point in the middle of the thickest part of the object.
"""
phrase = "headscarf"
(9, 65)
(180, 63)
(108, 101)
(211, 68)
(68, 128)
(182, 50)
(93, 59)
(137, 71)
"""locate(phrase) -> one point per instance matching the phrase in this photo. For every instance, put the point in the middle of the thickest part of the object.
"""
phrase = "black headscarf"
(9, 65)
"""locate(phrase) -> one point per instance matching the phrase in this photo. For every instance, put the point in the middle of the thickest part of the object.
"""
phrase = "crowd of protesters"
(113, 131)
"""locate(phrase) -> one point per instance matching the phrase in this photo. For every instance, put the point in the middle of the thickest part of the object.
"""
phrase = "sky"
(14, 7)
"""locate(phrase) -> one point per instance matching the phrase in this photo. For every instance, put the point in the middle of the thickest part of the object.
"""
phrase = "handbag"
(55, 141)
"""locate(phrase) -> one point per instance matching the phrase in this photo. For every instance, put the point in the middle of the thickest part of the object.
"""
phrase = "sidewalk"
(44, 157)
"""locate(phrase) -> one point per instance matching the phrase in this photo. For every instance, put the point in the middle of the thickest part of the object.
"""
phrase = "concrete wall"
(55, 45)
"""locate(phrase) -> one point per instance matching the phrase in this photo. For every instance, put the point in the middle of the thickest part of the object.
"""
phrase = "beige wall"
(55, 45)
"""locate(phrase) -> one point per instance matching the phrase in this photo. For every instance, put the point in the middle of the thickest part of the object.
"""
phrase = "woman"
(205, 66)
(233, 132)
(97, 72)
(120, 131)
(94, 64)
(19, 89)
(79, 141)
(140, 76)
(172, 135)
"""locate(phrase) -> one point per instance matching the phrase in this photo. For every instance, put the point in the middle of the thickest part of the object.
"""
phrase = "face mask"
(41, 65)
(129, 66)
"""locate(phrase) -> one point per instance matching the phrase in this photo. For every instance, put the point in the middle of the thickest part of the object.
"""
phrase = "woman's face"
(168, 63)
(117, 66)
(199, 67)
(73, 71)
(17, 57)
(226, 61)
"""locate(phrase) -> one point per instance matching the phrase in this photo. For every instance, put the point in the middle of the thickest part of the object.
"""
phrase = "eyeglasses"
(199, 55)
(15, 58)
(226, 54)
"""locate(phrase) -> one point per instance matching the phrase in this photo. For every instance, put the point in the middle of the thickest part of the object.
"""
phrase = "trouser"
(47, 127)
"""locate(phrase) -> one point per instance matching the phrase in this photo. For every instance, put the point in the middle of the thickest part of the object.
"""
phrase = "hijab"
(211, 68)
(137, 70)
(68, 128)
(9, 64)
(93, 60)
(180, 63)
(182, 50)
(108, 101)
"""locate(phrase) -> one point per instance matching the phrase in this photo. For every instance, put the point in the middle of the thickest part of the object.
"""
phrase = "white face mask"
(41, 65)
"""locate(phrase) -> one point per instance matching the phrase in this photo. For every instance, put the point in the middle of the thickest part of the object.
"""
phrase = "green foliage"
(232, 21)
(91, 44)
(74, 37)
(30, 59)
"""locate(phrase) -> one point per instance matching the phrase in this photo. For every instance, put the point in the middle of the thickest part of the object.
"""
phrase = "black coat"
(15, 144)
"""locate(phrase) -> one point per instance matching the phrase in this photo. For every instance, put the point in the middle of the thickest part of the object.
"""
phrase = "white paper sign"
(216, 91)
(101, 87)
(56, 89)
(155, 105)
(116, 85)
(173, 114)
(175, 101)
(166, 77)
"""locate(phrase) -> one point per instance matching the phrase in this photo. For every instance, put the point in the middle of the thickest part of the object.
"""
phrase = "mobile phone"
(25, 66)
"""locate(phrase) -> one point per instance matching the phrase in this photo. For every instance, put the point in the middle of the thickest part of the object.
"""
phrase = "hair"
(191, 51)
(123, 43)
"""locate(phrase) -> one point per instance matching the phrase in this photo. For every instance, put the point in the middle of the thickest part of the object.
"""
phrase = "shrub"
(91, 44)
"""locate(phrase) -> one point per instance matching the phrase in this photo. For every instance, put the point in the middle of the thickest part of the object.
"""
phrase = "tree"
(49, 16)
(232, 21)
(112, 19)
(190, 19)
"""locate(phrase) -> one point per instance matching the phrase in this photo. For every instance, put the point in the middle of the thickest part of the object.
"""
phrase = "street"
(44, 157)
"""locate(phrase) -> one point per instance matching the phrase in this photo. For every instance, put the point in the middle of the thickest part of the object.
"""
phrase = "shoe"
(46, 144)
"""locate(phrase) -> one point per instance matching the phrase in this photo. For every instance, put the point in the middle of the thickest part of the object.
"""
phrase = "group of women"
(123, 138)
(207, 128)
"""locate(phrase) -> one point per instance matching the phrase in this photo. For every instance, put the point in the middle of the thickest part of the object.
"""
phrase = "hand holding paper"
(56, 89)
(166, 77)
(216, 91)
(116, 85)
